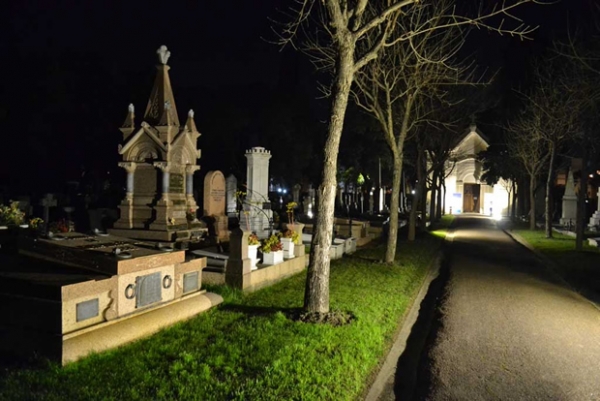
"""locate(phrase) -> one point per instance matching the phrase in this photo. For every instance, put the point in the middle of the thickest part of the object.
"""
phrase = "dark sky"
(72, 67)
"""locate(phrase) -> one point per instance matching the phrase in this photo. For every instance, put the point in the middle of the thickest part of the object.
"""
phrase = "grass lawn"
(247, 348)
(580, 269)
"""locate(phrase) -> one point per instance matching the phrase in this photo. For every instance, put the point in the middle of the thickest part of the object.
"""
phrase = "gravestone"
(311, 197)
(296, 193)
(569, 202)
(214, 201)
(47, 202)
(231, 186)
(595, 219)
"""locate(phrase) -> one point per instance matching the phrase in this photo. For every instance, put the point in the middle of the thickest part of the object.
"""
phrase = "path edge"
(388, 369)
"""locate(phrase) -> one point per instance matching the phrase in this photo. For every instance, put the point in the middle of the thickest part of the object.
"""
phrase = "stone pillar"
(190, 169)
(239, 267)
(130, 169)
(258, 186)
(257, 173)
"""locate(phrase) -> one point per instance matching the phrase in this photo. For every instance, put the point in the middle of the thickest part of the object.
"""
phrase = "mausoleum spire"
(161, 110)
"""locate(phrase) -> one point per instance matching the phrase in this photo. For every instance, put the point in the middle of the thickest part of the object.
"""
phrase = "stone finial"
(163, 54)
(131, 108)
(191, 113)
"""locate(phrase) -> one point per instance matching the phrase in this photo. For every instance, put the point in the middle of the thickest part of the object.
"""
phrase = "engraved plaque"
(190, 282)
(176, 183)
(147, 289)
(87, 309)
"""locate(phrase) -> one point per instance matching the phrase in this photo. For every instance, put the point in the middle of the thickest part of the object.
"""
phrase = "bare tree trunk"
(423, 190)
(515, 198)
(548, 201)
(581, 209)
(433, 197)
(398, 154)
(412, 222)
(316, 295)
(444, 197)
(390, 252)
(438, 209)
(532, 201)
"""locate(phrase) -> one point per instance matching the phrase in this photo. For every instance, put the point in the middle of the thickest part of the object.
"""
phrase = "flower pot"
(288, 248)
(272, 258)
(253, 255)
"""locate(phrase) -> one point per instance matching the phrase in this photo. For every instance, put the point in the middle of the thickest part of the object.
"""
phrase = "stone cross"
(47, 202)
(163, 54)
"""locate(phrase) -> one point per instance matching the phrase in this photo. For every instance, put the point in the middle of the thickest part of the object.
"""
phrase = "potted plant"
(288, 239)
(11, 215)
(253, 243)
(272, 250)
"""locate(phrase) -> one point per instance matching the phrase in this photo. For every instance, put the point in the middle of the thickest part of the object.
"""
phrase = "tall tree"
(333, 29)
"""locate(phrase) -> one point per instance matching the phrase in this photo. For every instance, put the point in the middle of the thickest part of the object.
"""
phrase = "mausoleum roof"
(161, 109)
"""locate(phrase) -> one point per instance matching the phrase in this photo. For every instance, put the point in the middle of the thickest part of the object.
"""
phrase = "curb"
(387, 371)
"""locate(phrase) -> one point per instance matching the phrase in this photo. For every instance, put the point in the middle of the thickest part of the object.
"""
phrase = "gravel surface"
(506, 328)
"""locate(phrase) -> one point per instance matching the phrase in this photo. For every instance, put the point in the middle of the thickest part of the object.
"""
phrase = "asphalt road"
(502, 327)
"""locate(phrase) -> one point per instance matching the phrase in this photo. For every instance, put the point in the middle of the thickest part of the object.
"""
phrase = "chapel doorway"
(471, 198)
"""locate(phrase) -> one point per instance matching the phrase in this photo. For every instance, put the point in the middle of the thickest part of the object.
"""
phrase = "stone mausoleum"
(160, 159)
(465, 191)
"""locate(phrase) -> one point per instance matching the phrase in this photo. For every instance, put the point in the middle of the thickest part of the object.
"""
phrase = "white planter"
(253, 255)
(272, 258)
(288, 248)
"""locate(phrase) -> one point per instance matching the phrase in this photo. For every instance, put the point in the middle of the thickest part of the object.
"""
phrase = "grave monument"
(214, 201)
(160, 159)
(257, 214)
(231, 185)
(569, 202)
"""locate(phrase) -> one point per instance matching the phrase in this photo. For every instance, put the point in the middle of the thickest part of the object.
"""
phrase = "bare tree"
(526, 143)
(398, 88)
(579, 54)
(333, 29)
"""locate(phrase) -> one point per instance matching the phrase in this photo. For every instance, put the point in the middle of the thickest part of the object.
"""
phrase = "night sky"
(70, 68)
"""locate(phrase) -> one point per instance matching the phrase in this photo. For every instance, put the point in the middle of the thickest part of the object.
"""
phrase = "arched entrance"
(471, 198)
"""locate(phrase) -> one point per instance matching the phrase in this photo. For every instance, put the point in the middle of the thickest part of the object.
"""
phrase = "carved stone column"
(126, 207)
(166, 176)
(190, 169)
(130, 168)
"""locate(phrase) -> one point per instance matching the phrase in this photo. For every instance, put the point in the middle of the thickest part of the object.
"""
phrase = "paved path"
(505, 328)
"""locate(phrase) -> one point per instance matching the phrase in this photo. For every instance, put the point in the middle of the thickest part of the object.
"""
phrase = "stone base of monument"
(74, 294)
(173, 236)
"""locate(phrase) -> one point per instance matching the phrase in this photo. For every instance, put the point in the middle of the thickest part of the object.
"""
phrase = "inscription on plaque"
(176, 183)
(87, 309)
(148, 289)
(190, 282)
